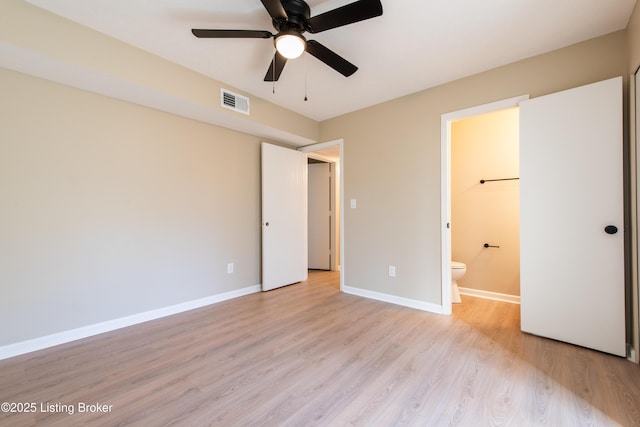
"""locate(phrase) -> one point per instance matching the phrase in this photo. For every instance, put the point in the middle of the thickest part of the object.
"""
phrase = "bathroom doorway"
(469, 246)
(485, 211)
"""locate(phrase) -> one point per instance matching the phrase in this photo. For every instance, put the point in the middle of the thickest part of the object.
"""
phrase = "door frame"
(340, 173)
(445, 182)
(634, 205)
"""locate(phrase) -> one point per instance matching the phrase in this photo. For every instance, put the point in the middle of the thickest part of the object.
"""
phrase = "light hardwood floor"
(309, 355)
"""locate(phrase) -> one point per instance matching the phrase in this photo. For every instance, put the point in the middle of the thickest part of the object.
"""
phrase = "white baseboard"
(407, 302)
(514, 299)
(47, 341)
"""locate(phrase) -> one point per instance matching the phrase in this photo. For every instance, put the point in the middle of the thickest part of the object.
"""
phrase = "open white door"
(284, 216)
(571, 217)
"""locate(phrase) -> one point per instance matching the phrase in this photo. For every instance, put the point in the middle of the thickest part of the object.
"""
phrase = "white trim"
(445, 182)
(406, 302)
(316, 156)
(496, 296)
(634, 166)
(445, 212)
(322, 146)
(47, 341)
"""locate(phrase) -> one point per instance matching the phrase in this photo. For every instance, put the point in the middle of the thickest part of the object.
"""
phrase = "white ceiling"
(414, 45)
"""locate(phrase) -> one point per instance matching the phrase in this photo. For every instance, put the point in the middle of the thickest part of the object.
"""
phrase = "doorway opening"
(331, 153)
(321, 204)
(447, 121)
(485, 205)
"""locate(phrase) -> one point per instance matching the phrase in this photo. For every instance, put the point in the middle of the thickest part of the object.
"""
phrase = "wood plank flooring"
(308, 355)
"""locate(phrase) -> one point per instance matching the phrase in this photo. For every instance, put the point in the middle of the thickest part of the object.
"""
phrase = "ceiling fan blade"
(275, 68)
(275, 9)
(331, 58)
(231, 34)
(348, 14)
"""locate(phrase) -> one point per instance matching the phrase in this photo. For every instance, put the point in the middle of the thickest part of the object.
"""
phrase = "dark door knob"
(611, 229)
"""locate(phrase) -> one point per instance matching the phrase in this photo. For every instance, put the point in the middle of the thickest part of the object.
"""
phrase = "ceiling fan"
(291, 18)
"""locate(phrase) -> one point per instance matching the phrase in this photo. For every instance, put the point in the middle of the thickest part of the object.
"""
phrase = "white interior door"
(319, 175)
(284, 216)
(571, 201)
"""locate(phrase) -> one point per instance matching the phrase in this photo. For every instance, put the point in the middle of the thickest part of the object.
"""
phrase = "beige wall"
(633, 35)
(486, 147)
(109, 209)
(392, 163)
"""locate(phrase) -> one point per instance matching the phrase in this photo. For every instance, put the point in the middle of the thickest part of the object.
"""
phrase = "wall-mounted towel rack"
(482, 181)
(486, 245)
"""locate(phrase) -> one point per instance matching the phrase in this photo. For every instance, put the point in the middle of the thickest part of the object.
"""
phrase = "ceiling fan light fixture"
(290, 44)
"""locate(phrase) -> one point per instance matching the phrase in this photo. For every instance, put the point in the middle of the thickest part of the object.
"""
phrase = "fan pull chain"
(273, 67)
(305, 78)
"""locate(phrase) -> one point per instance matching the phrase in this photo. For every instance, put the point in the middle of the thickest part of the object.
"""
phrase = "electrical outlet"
(230, 268)
(392, 271)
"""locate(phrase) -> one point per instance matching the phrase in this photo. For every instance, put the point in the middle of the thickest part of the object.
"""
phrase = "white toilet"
(458, 269)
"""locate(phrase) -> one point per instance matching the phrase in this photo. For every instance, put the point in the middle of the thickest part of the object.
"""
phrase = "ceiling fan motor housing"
(297, 14)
